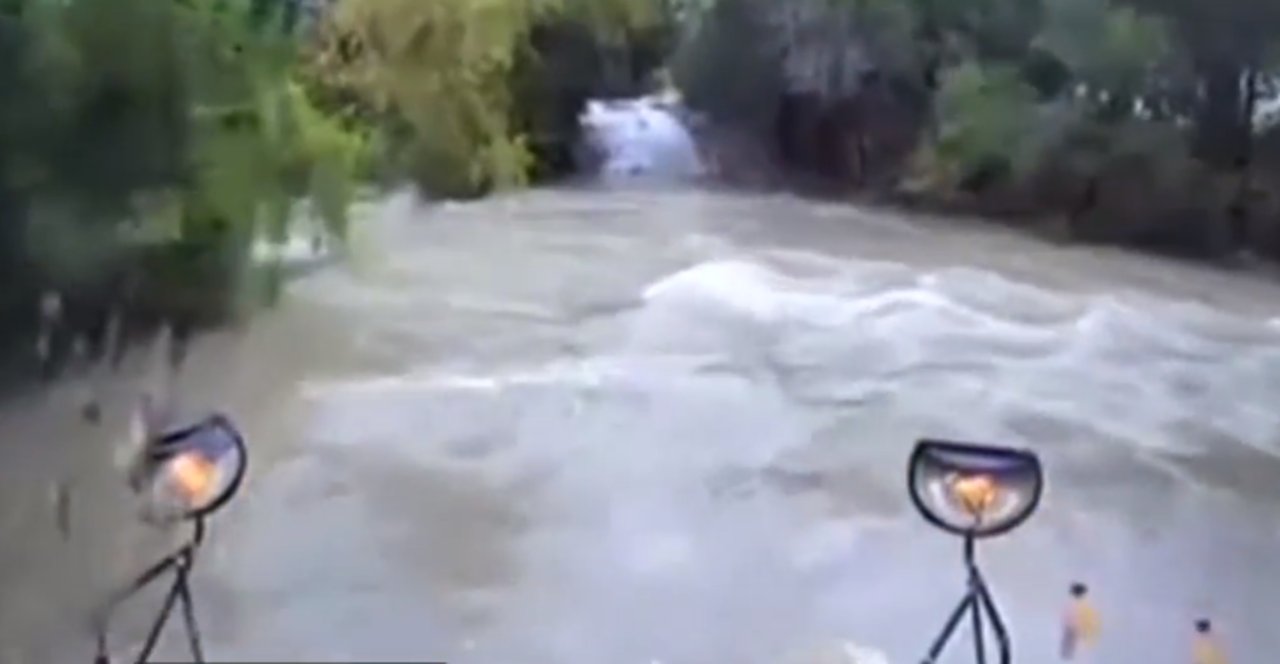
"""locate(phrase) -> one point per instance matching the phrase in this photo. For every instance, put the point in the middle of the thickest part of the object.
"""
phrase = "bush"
(988, 126)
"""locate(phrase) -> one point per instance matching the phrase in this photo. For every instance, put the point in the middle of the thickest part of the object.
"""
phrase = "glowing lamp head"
(195, 476)
(194, 470)
(975, 494)
(974, 490)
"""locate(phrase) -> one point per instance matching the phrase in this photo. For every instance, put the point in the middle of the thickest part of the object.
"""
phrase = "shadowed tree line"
(1132, 121)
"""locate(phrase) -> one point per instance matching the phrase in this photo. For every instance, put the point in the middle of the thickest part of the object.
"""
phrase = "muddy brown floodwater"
(620, 426)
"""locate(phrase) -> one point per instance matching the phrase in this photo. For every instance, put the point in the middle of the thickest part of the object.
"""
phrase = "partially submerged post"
(49, 317)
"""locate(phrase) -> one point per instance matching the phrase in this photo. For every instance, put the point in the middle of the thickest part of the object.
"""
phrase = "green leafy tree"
(157, 139)
(988, 126)
(443, 77)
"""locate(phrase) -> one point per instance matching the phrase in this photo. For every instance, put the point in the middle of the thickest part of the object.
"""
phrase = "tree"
(1112, 51)
(1228, 44)
(157, 139)
(443, 75)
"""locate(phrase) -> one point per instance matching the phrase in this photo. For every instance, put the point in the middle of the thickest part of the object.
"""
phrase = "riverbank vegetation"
(474, 96)
(146, 147)
(1129, 121)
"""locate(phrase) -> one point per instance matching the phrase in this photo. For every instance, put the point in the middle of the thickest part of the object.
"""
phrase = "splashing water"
(672, 427)
(639, 137)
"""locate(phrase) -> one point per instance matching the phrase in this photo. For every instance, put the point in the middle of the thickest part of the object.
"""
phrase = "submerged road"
(671, 425)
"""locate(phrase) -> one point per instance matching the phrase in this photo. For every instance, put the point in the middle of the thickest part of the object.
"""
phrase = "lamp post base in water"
(976, 602)
(180, 564)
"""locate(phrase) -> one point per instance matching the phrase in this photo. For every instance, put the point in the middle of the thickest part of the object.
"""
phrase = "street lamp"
(975, 492)
(184, 475)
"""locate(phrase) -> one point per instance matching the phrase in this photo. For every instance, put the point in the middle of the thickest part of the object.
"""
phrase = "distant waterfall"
(639, 138)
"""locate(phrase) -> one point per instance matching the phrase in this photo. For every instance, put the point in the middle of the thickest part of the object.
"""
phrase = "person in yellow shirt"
(1205, 648)
(1080, 625)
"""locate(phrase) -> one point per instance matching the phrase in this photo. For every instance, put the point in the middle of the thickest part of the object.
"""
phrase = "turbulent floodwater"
(656, 424)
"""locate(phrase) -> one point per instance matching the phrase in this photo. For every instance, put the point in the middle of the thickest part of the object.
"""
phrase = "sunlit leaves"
(445, 70)
(439, 66)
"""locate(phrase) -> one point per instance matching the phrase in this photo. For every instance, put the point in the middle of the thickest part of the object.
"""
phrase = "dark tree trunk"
(1246, 116)
(784, 130)
(1222, 132)
(797, 131)
(1239, 212)
(861, 164)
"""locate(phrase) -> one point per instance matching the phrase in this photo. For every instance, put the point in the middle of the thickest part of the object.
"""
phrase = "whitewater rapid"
(666, 424)
(639, 138)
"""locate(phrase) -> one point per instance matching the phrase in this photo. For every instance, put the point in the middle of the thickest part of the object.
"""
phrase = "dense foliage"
(1136, 119)
(145, 146)
(463, 93)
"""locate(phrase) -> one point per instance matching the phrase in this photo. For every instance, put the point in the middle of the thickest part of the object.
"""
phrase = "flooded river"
(635, 425)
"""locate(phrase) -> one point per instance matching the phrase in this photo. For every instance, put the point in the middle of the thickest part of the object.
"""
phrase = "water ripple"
(1133, 362)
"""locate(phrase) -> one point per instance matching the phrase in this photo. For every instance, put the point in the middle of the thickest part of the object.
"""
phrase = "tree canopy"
(1032, 93)
(443, 76)
(153, 143)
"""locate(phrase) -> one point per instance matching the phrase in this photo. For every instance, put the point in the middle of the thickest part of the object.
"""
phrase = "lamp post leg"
(997, 624)
(189, 618)
(950, 628)
(157, 627)
(979, 647)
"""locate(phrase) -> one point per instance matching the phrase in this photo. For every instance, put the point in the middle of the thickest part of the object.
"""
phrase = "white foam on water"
(1136, 369)
(1104, 357)
(837, 651)
(715, 370)
(640, 137)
